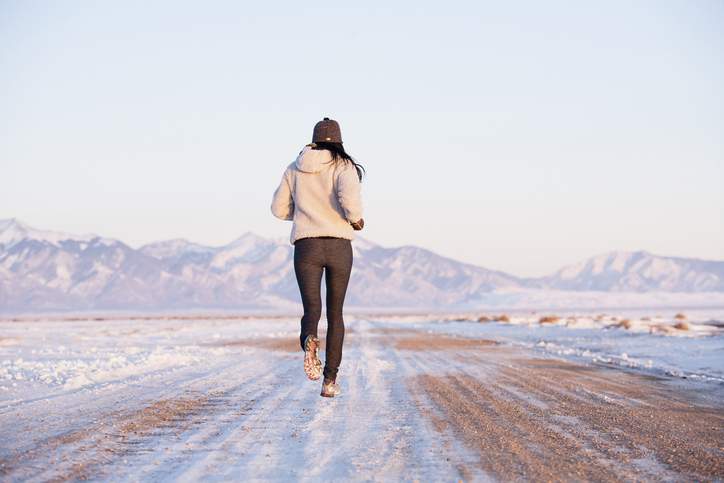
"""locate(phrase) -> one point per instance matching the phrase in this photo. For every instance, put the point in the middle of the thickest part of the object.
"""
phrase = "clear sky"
(515, 135)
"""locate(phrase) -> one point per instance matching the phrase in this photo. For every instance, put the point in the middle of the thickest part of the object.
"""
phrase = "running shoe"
(312, 364)
(330, 388)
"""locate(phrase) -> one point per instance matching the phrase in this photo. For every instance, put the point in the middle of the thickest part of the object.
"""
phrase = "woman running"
(320, 193)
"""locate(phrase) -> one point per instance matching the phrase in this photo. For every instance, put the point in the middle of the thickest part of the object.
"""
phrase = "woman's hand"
(358, 225)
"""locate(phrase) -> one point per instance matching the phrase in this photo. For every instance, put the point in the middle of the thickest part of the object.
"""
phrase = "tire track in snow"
(95, 448)
(83, 408)
(356, 435)
(245, 442)
(373, 430)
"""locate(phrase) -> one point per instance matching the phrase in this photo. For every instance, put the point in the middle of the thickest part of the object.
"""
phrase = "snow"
(248, 241)
(174, 248)
(620, 259)
(248, 248)
(56, 275)
(571, 271)
(13, 231)
(53, 356)
(640, 271)
(248, 413)
(83, 380)
(541, 299)
(651, 343)
(362, 244)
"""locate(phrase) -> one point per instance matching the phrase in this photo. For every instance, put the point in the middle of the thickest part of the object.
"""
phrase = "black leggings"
(334, 256)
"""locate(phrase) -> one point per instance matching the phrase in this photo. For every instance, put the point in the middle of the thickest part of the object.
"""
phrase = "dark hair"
(339, 154)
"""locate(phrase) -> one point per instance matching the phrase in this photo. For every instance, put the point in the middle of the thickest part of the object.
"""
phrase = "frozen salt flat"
(647, 341)
(60, 378)
(221, 399)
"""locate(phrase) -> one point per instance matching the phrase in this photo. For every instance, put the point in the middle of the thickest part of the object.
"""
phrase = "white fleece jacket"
(322, 198)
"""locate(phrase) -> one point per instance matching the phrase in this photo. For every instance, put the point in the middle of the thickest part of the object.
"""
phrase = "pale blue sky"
(515, 135)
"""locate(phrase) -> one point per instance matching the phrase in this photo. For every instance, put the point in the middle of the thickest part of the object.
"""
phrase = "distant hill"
(46, 271)
(639, 272)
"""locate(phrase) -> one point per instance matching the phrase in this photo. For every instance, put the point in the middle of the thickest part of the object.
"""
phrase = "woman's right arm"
(282, 205)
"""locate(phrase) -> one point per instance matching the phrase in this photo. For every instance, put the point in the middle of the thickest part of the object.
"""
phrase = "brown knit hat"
(327, 130)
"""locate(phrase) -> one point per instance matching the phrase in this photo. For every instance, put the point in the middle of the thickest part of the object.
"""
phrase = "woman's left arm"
(349, 193)
(282, 205)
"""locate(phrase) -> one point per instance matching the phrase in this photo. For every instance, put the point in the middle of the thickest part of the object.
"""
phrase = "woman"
(320, 193)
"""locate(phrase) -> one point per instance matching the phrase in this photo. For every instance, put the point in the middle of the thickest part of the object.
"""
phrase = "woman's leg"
(308, 264)
(337, 271)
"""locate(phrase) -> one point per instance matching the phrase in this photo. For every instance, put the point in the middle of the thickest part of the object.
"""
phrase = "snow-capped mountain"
(407, 276)
(639, 271)
(12, 231)
(174, 248)
(415, 276)
(45, 270)
(52, 270)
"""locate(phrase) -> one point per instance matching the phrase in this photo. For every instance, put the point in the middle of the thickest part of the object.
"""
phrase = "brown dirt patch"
(427, 342)
(393, 331)
(549, 319)
(160, 414)
(552, 420)
(281, 344)
(511, 444)
(645, 417)
(414, 340)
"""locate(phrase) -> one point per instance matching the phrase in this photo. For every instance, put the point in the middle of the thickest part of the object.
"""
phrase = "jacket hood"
(312, 160)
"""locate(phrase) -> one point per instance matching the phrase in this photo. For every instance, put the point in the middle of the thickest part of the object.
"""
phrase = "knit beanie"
(327, 130)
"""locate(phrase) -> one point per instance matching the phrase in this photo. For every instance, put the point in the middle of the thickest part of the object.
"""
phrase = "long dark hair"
(339, 154)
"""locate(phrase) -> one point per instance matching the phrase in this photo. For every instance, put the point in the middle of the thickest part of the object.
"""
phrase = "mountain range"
(53, 271)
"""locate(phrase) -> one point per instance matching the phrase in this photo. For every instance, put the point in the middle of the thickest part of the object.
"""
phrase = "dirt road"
(415, 406)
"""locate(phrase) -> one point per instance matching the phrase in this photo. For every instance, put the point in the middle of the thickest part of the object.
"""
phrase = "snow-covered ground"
(223, 399)
(690, 346)
(235, 386)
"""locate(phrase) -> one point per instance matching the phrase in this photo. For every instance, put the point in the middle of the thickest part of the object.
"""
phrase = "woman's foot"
(330, 388)
(312, 364)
